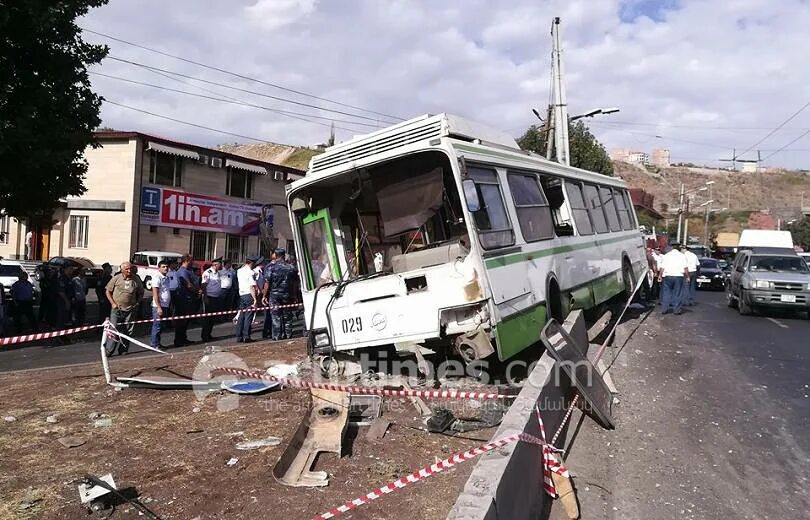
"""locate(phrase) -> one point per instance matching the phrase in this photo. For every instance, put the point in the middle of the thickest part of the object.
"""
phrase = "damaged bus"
(439, 233)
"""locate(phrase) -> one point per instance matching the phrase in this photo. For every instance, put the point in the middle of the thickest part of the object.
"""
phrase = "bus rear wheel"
(558, 305)
(628, 278)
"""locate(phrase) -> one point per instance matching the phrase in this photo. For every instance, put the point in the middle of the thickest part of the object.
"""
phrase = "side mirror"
(740, 269)
(471, 195)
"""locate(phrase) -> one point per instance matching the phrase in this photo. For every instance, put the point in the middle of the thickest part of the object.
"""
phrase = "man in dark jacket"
(278, 294)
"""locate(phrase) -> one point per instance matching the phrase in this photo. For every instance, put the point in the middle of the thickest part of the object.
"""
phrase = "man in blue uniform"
(277, 293)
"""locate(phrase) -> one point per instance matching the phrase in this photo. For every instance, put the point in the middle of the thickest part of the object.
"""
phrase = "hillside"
(286, 155)
(739, 193)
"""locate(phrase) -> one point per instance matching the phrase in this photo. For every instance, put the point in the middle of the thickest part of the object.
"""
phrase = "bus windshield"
(382, 218)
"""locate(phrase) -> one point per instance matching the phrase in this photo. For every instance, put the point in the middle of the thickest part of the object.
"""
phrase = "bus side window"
(594, 205)
(491, 220)
(629, 203)
(531, 206)
(609, 204)
(624, 212)
(578, 208)
(552, 186)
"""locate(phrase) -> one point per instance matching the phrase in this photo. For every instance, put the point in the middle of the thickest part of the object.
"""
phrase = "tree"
(586, 151)
(800, 230)
(47, 110)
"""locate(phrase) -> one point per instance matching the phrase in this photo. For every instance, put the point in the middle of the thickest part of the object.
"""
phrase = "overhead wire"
(242, 76)
(786, 121)
(247, 91)
(185, 122)
(784, 147)
(295, 115)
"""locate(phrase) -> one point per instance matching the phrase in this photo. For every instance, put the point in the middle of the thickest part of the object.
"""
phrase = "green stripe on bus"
(520, 330)
(502, 261)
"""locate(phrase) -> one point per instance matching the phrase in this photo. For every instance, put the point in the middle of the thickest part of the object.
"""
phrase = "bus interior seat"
(429, 257)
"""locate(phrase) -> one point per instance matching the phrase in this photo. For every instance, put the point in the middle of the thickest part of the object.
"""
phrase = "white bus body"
(475, 240)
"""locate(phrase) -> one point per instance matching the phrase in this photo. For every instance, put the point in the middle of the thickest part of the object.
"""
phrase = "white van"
(147, 263)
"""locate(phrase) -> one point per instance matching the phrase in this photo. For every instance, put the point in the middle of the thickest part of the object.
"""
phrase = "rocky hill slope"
(284, 154)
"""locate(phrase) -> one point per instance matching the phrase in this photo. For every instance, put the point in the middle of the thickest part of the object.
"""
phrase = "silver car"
(769, 280)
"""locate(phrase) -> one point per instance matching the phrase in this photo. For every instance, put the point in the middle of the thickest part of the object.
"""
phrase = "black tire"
(558, 307)
(628, 278)
(744, 308)
(730, 300)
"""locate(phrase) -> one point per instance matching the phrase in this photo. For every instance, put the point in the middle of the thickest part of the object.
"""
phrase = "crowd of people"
(674, 277)
(175, 291)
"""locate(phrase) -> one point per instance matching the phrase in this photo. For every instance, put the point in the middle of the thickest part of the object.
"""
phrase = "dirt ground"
(172, 447)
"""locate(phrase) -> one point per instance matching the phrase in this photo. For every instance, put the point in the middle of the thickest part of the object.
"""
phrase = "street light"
(595, 111)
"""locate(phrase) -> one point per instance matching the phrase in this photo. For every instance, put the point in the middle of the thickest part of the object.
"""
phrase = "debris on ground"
(232, 461)
(104, 422)
(71, 441)
(52, 419)
(377, 429)
(9, 418)
(261, 443)
(283, 370)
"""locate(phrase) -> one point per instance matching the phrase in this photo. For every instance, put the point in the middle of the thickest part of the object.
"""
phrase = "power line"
(186, 122)
(294, 115)
(786, 121)
(692, 127)
(241, 76)
(784, 147)
(658, 136)
(209, 82)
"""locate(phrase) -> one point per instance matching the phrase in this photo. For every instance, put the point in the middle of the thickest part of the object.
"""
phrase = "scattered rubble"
(260, 443)
(71, 441)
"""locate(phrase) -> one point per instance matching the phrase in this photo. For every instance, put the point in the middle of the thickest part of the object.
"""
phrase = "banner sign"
(179, 209)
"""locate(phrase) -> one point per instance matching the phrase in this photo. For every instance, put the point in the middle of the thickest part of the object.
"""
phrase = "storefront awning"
(171, 150)
(246, 166)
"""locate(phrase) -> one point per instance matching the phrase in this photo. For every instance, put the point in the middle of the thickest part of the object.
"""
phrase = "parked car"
(765, 279)
(710, 275)
(147, 263)
(9, 273)
(92, 272)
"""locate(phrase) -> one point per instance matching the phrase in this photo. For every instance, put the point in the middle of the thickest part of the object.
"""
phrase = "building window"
(4, 225)
(153, 229)
(533, 212)
(78, 231)
(492, 222)
(202, 245)
(165, 170)
(594, 204)
(239, 184)
(578, 208)
(236, 248)
(175, 231)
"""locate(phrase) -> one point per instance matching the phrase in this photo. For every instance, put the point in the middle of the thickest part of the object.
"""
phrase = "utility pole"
(560, 118)
(706, 226)
(680, 212)
(686, 223)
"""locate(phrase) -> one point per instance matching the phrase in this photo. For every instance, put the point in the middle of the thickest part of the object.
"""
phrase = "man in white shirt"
(692, 265)
(248, 298)
(673, 275)
(212, 296)
(161, 301)
(226, 281)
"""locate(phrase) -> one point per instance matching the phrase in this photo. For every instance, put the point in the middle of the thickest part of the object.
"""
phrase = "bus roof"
(472, 137)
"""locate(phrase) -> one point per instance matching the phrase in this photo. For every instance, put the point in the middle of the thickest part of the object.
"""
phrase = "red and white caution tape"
(550, 462)
(300, 383)
(417, 476)
(13, 340)
(438, 467)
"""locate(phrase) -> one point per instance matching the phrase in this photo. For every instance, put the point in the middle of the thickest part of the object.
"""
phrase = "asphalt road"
(712, 420)
(85, 347)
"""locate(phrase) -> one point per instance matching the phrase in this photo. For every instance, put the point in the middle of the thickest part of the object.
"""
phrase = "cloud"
(697, 76)
(273, 14)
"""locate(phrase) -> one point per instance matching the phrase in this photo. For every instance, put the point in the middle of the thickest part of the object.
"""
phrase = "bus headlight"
(762, 284)
(322, 339)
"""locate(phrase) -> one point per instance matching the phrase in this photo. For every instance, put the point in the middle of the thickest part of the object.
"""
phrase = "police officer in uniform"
(212, 296)
(278, 292)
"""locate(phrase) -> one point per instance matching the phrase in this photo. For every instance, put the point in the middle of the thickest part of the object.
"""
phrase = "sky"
(700, 77)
